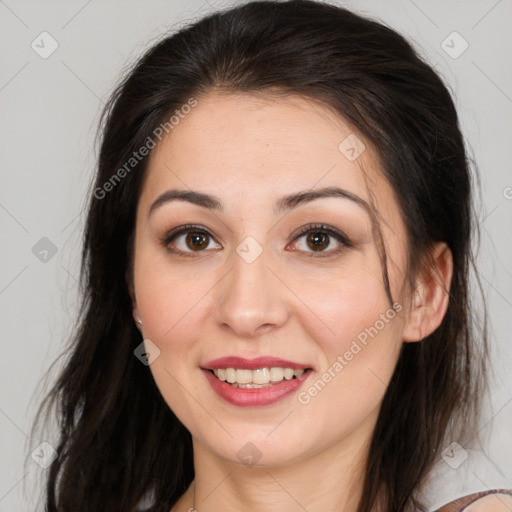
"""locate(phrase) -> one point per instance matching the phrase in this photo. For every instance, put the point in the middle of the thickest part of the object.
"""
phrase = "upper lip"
(252, 364)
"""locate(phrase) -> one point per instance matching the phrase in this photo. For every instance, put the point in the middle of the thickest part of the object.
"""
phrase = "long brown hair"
(118, 439)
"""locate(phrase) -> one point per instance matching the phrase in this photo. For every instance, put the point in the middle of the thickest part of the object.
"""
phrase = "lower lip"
(248, 397)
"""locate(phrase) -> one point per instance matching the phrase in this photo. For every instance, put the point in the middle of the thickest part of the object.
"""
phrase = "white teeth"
(230, 375)
(276, 374)
(260, 377)
(288, 373)
(244, 376)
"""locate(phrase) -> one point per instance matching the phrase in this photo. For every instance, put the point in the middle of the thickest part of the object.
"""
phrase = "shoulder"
(495, 500)
(498, 502)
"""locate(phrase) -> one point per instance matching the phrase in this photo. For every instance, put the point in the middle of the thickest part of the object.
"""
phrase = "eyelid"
(336, 233)
(185, 228)
(181, 230)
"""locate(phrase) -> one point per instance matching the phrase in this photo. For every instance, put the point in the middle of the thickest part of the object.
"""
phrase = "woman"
(276, 259)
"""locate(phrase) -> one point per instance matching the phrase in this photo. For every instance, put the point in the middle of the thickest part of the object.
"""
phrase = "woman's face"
(242, 282)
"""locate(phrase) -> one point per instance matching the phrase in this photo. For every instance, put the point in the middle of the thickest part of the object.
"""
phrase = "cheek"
(358, 334)
(358, 357)
(171, 307)
(166, 293)
(344, 304)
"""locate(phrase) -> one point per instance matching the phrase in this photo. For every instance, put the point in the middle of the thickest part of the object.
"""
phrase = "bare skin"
(492, 503)
(290, 302)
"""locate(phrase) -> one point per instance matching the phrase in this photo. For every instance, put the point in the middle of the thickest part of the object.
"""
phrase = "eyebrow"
(282, 205)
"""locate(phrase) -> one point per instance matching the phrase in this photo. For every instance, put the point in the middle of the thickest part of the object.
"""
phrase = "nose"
(251, 299)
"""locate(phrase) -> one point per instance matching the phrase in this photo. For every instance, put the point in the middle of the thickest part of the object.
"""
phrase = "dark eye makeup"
(322, 233)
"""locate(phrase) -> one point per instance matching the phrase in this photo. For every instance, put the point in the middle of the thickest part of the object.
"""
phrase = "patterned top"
(461, 504)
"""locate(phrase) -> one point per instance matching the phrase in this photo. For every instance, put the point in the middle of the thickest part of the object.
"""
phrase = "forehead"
(259, 147)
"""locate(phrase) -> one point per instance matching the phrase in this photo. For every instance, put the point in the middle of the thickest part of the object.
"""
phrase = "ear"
(431, 295)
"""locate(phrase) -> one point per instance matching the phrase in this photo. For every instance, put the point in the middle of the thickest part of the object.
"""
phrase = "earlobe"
(136, 317)
(135, 310)
(431, 295)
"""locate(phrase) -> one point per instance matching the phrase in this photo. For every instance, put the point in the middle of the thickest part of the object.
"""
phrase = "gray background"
(50, 108)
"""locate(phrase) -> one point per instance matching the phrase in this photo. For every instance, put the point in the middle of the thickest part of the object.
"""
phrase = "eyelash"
(310, 228)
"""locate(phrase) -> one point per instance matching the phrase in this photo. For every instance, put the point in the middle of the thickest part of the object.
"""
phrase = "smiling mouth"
(259, 378)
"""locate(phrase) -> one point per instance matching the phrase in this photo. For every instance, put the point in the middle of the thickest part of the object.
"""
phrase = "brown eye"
(317, 240)
(196, 240)
(187, 240)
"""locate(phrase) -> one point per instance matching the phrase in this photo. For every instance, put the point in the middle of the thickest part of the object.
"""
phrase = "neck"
(331, 479)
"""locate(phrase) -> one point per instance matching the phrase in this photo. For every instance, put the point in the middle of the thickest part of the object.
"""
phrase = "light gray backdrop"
(60, 61)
